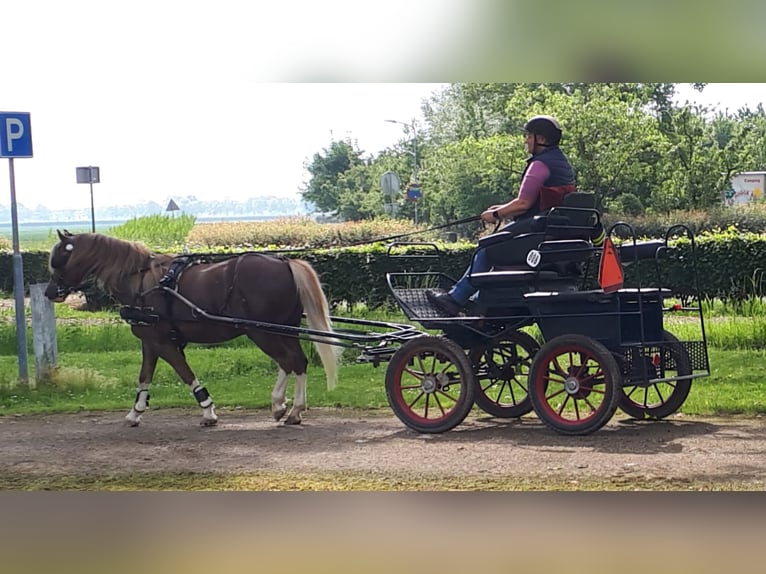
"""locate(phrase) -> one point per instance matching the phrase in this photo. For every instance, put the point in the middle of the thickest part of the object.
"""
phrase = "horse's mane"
(113, 262)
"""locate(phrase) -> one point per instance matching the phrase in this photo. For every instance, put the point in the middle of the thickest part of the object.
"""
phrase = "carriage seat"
(546, 261)
(575, 220)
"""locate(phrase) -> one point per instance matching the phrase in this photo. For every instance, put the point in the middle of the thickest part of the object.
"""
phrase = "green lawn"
(99, 364)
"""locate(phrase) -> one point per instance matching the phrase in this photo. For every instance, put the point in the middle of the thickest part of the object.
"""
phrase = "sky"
(171, 99)
(248, 142)
(251, 142)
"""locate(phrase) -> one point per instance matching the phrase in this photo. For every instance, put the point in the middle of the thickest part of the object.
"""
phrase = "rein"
(354, 244)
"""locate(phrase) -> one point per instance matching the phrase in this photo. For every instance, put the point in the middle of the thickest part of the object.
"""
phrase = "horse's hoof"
(292, 420)
(132, 422)
(279, 414)
(208, 422)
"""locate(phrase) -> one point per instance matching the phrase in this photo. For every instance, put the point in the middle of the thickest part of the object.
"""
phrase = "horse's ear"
(62, 236)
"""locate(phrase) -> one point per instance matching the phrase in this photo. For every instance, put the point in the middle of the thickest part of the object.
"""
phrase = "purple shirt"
(533, 181)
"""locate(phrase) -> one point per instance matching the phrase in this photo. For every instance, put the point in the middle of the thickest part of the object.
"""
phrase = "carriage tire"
(430, 384)
(507, 395)
(585, 397)
(635, 400)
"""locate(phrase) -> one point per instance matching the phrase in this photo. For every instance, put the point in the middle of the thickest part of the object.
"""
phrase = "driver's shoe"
(445, 302)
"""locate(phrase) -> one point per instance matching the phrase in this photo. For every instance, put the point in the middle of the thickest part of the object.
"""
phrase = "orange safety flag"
(610, 276)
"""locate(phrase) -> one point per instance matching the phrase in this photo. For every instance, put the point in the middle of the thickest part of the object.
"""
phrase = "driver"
(547, 178)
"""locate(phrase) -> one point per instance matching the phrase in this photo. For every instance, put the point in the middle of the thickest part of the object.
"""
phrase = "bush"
(297, 232)
(745, 219)
(627, 204)
(155, 231)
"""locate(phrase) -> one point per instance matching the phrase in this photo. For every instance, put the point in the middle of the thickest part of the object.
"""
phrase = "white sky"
(172, 99)
(186, 140)
(724, 96)
(165, 96)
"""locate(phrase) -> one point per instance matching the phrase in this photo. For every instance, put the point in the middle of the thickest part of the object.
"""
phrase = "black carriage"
(598, 347)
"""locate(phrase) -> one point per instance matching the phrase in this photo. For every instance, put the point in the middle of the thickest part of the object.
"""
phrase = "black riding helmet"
(546, 126)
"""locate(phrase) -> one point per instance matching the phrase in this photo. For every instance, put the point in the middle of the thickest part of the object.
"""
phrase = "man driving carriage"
(547, 178)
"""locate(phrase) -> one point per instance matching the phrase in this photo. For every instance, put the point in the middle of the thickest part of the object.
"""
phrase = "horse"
(163, 296)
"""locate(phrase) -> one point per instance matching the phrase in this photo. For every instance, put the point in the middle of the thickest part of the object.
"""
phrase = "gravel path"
(715, 452)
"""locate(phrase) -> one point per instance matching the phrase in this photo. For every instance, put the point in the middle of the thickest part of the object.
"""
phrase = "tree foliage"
(629, 143)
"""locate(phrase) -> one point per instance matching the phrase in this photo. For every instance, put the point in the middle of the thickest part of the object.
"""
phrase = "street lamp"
(407, 127)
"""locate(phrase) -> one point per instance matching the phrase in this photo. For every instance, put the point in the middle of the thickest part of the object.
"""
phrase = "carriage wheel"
(574, 384)
(430, 384)
(644, 400)
(502, 372)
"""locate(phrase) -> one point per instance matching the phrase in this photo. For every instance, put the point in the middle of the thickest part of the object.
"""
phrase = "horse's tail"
(318, 314)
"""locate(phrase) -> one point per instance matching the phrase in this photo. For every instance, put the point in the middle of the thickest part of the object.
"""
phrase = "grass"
(156, 231)
(343, 481)
(99, 363)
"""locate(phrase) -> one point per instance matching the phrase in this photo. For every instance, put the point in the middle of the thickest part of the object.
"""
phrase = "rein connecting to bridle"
(354, 244)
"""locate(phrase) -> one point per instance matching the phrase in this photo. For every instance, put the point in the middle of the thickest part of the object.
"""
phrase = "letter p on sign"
(15, 134)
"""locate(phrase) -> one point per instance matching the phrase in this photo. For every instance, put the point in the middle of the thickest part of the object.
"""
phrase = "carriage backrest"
(576, 218)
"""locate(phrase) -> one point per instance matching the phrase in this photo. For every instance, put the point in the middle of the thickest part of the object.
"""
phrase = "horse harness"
(142, 315)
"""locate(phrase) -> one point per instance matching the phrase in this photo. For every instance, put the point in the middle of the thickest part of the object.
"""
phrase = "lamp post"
(414, 185)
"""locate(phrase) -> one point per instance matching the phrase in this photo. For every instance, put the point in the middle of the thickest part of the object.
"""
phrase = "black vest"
(560, 182)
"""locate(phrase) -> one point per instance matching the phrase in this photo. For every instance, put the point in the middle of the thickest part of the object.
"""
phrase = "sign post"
(390, 185)
(414, 193)
(91, 175)
(16, 141)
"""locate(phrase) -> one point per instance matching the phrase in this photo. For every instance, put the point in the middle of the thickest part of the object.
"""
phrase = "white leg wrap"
(206, 402)
(139, 406)
(142, 400)
(208, 413)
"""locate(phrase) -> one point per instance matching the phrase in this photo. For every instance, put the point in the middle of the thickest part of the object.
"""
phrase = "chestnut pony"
(164, 296)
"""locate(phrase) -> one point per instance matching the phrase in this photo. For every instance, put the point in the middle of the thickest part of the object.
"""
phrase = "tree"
(465, 177)
(327, 169)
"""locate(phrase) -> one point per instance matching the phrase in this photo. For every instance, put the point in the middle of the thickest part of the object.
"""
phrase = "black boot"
(444, 302)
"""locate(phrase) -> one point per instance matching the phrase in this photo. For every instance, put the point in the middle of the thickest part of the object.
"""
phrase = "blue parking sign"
(15, 134)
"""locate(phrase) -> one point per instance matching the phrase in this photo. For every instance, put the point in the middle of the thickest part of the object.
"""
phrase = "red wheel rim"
(428, 389)
(572, 386)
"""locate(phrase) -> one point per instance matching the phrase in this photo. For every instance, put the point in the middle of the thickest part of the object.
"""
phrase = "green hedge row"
(729, 265)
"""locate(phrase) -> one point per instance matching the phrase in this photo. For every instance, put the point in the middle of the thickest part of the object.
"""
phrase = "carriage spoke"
(439, 404)
(417, 398)
(416, 374)
(554, 394)
(558, 369)
(449, 396)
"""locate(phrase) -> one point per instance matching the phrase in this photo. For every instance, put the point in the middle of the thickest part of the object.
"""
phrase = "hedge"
(729, 265)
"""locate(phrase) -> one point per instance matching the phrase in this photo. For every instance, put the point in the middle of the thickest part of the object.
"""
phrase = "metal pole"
(415, 163)
(18, 284)
(415, 149)
(92, 211)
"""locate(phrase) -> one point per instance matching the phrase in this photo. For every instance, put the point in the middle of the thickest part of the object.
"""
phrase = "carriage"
(595, 350)
(540, 336)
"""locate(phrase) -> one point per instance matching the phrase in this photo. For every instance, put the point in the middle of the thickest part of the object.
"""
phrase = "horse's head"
(66, 274)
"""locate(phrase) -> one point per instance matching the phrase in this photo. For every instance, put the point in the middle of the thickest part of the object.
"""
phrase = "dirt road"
(36, 451)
